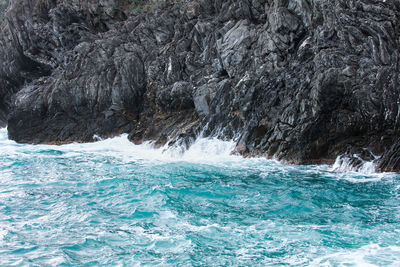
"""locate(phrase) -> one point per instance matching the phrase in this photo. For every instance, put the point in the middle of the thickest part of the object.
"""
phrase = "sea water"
(114, 203)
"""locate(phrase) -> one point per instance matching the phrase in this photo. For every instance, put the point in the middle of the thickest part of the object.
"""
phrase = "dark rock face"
(302, 81)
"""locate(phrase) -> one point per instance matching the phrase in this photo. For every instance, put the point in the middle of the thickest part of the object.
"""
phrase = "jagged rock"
(233, 48)
(301, 81)
(177, 97)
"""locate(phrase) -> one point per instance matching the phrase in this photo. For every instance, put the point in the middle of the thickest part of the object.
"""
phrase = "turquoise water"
(113, 203)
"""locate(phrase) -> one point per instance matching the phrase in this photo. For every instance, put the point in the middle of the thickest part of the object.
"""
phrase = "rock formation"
(300, 80)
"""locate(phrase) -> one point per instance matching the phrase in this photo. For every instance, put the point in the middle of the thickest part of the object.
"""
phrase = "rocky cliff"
(300, 80)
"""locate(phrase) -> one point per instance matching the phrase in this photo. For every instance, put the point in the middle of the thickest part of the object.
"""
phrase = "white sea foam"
(366, 173)
(366, 256)
(3, 233)
(205, 150)
(343, 164)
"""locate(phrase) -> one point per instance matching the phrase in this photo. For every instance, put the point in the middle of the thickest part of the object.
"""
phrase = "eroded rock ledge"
(301, 80)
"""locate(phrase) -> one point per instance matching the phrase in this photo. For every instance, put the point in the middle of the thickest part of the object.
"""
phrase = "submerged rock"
(301, 81)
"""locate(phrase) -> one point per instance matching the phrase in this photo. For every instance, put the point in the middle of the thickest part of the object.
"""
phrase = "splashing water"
(343, 164)
(114, 203)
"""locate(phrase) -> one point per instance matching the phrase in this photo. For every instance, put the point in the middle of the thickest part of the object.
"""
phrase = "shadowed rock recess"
(300, 80)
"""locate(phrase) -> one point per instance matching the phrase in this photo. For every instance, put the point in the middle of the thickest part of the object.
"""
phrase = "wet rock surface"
(302, 81)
